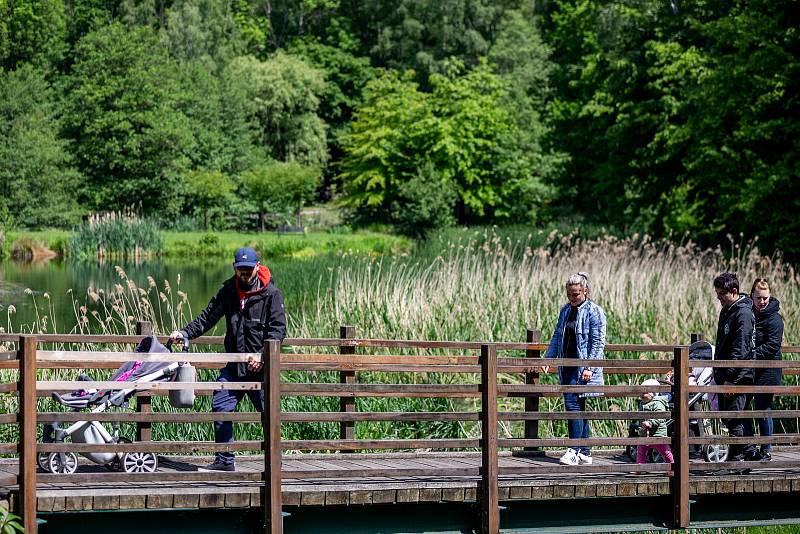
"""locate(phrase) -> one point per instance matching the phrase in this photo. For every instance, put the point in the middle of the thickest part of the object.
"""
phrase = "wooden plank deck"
(560, 483)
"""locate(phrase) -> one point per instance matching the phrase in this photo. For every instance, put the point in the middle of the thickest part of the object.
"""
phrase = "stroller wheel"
(42, 459)
(630, 452)
(139, 462)
(715, 453)
(66, 463)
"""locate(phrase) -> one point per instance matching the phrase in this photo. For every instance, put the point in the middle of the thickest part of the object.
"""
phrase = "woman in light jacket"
(580, 334)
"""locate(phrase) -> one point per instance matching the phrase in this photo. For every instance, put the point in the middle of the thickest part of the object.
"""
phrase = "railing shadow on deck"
(482, 375)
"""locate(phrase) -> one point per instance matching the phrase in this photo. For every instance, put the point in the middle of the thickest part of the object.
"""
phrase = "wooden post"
(679, 484)
(271, 420)
(144, 429)
(27, 431)
(347, 429)
(489, 505)
(532, 403)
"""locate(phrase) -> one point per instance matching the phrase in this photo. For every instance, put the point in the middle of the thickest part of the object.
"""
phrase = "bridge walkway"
(609, 476)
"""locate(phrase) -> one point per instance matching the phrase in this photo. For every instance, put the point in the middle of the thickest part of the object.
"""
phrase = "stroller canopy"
(134, 370)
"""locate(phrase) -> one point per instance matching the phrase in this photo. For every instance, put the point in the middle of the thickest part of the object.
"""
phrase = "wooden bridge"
(486, 469)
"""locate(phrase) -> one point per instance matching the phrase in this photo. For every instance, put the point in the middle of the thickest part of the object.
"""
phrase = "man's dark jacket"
(247, 329)
(769, 334)
(735, 341)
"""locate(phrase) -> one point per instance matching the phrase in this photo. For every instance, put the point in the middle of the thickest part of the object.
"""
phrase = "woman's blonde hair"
(579, 279)
(759, 283)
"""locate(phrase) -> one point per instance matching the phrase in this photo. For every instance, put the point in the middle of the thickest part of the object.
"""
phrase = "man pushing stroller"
(253, 309)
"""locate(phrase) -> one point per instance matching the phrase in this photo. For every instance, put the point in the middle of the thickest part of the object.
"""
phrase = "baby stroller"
(702, 376)
(99, 401)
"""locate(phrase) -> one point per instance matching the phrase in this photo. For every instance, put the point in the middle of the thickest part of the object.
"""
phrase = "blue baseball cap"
(245, 257)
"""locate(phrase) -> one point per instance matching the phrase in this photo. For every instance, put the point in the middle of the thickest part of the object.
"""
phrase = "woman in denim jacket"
(581, 334)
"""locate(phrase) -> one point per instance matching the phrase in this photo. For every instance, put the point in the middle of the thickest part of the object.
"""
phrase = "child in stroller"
(99, 401)
(703, 376)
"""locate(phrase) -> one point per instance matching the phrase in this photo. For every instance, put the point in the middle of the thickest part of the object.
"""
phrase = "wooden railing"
(481, 374)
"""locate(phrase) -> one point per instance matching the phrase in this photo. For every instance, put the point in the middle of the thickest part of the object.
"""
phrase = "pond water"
(56, 289)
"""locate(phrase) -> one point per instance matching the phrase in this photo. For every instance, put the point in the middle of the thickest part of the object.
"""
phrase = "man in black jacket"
(253, 309)
(735, 341)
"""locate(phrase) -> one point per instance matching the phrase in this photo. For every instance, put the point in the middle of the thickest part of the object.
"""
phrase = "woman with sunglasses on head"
(580, 334)
(768, 336)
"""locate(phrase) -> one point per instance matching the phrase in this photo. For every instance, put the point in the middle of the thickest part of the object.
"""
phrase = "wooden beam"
(381, 390)
(489, 492)
(384, 444)
(347, 429)
(587, 442)
(89, 357)
(144, 429)
(71, 385)
(532, 378)
(679, 483)
(273, 519)
(556, 390)
(27, 422)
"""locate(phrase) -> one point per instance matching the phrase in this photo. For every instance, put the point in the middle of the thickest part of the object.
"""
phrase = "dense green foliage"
(654, 116)
(678, 115)
(37, 178)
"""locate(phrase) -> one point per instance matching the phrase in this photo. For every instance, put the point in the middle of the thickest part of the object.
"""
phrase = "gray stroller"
(98, 401)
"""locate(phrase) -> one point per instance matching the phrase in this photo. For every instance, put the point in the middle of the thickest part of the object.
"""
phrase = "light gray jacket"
(590, 332)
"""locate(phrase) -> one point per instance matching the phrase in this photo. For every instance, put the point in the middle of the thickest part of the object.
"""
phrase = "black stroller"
(702, 376)
(99, 401)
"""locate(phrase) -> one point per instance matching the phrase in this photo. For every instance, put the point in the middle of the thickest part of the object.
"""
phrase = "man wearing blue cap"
(253, 309)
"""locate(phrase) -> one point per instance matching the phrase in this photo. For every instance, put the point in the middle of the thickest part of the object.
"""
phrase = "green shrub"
(426, 202)
(9, 523)
(115, 235)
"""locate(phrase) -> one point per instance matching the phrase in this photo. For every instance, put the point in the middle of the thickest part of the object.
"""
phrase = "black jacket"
(735, 341)
(247, 329)
(769, 334)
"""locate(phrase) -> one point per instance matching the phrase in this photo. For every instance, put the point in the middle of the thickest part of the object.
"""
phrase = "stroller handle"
(184, 344)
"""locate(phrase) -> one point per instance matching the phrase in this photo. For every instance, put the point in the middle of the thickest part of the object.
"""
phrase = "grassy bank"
(46, 244)
(271, 244)
(482, 286)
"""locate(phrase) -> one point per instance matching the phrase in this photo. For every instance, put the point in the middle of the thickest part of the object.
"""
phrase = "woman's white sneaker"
(584, 459)
(570, 458)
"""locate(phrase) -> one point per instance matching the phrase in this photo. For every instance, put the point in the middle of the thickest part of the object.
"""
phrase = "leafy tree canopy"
(283, 100)
(131, 139)
(31, 31)
(459, 133)
(37, 178)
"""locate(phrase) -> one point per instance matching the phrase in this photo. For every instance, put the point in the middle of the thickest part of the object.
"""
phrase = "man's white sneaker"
(584, 459)
(569, 458)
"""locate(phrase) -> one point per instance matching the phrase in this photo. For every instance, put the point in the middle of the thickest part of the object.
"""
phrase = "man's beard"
(245, 284)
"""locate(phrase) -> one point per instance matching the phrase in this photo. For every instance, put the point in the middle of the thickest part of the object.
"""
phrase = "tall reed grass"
(122, 234)
(484, 287)
(491, 288)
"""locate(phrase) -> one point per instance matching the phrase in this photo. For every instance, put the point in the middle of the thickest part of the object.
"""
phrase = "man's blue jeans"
(578, 428)
(225, 401)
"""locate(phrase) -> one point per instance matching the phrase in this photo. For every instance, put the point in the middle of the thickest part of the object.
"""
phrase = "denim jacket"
(590, 333)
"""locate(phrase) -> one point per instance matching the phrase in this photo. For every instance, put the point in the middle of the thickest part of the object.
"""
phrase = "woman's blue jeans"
(578, 428)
